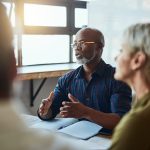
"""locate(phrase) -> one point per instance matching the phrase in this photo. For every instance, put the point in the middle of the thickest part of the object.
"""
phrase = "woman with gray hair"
(133, 67)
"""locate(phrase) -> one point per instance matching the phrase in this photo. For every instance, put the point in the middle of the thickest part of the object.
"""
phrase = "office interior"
(45, 29)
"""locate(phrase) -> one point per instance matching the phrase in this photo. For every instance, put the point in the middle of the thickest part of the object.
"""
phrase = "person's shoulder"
(109, 70)
(132, 126)
(142, 110)
(69, 75)
(72, 73)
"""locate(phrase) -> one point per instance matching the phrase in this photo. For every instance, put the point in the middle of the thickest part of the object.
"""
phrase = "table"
(100, 142)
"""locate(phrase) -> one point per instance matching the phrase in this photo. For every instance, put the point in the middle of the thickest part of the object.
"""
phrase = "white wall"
(112, 17)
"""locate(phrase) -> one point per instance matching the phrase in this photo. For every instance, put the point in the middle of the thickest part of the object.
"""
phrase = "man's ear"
(99, 49)
(138, 60)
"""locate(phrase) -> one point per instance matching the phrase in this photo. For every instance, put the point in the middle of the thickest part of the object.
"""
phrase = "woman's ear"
(138, 60)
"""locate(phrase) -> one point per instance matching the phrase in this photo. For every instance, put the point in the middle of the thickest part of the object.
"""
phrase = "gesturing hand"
(73, 109)
(45, 104)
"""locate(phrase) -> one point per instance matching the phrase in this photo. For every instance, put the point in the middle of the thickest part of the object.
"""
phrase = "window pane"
(8, 8)
(74, 57)
(44, 15)
(81, 17)
(44, 49)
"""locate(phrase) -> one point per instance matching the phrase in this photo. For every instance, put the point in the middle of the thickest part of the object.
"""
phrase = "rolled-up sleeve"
(59, 96)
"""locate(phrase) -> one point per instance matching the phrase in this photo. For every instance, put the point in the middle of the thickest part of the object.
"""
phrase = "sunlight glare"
(43, 15)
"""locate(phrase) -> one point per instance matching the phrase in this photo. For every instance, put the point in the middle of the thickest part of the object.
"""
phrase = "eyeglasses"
(81, 44)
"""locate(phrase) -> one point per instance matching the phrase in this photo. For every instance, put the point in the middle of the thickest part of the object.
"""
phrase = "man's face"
(86, 49)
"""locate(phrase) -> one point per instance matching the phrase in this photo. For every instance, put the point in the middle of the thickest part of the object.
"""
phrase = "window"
(45, 15)
(43, 49)
(44, 29)
(74, 58)
(8, 9)
(81, 17)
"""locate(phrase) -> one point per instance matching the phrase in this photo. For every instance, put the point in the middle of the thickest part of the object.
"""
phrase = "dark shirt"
(102, 92)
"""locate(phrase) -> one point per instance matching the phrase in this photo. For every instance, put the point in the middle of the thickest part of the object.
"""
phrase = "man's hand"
(73, 109)
(45, 104)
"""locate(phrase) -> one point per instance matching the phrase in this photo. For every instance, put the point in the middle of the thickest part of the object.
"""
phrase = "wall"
(112, 17)
(24, 90)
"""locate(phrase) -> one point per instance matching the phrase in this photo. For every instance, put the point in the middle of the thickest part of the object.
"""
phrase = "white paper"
(82, 129)
(29, 120)
(104, 143)
(94, 143)
(54, 124)
(91, 144)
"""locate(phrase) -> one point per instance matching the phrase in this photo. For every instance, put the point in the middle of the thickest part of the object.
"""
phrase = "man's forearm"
(107, 120)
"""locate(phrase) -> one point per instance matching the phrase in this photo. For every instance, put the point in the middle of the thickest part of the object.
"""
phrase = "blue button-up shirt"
(102, 92)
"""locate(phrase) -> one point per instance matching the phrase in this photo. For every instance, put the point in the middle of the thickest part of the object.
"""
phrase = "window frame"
(70, 29)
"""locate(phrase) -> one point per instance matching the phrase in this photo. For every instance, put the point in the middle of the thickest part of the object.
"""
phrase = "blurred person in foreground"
(90, 91)
(14, 135)
(133, 67)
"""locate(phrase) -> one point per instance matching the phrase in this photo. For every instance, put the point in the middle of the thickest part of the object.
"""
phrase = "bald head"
(88, 46)
(91, 34)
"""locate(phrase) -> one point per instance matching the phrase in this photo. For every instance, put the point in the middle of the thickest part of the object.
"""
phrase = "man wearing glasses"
(90, 91)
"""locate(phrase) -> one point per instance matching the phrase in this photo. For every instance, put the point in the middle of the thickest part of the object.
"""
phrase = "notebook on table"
(81, 129)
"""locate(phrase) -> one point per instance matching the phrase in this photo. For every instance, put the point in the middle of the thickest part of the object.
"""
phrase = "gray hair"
(138, 39)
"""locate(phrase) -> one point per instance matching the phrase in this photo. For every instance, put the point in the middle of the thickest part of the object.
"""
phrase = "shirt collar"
(98, 71)
(142, 101)
(80, 72)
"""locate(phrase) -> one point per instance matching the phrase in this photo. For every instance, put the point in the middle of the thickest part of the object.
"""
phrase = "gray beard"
(84, 60)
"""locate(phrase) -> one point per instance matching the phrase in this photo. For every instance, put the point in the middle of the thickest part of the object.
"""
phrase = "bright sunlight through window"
(44, 15)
